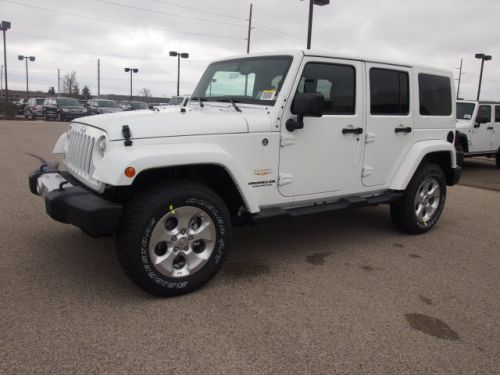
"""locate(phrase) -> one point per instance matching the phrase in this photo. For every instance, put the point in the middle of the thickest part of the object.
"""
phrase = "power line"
(166, 13)
(119, 23)
(81, 52)
(199, 10)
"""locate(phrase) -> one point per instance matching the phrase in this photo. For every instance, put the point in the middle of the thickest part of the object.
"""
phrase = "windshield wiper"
(228, 99)
(200, 100)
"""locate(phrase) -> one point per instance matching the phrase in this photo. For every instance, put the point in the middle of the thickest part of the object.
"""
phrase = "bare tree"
(70, 83)
(145, 92)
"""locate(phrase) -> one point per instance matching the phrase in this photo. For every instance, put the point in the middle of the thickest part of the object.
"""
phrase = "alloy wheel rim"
(182, 242)
(427, 200)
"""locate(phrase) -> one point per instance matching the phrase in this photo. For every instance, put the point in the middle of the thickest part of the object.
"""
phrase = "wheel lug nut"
(185, 248)
(190, 238)
(174, 238)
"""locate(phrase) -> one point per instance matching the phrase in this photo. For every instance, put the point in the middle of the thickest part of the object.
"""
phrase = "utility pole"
(459, 77)
(5, 26)
(98, 78)
(249, 28)
(58, 82)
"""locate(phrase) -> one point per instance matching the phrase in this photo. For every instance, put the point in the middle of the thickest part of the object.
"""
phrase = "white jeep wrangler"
(478, 129)
(264, 136)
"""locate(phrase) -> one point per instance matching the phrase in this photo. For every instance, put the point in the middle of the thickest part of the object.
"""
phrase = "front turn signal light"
(130, 172)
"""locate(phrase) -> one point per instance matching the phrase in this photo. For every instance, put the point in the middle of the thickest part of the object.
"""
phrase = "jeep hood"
(148, 124)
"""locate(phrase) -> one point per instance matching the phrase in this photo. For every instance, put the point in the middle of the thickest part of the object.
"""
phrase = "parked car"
(310, 132)
(133, 105)
(478, 129)
(34, 108)
(99, 106)
(21, 104)
(62, 109)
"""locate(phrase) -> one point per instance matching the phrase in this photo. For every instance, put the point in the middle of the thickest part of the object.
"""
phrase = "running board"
(272, 214)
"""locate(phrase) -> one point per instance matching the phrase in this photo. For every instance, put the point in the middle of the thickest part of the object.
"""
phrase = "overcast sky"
(72, 35)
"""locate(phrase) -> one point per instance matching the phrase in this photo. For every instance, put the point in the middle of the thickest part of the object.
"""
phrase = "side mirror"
(305, 104)
(480, 120)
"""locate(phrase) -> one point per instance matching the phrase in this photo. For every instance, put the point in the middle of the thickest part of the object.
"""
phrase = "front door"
(480, 139)
(325, 155)
(389, 124)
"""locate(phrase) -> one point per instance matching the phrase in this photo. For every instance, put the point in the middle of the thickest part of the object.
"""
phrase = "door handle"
(490, 128)
(402, 129)
(352, 131)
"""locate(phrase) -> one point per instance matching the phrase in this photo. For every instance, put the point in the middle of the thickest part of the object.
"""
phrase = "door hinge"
(284, 178)
(367, 171)
(369, 137)
(287, 140)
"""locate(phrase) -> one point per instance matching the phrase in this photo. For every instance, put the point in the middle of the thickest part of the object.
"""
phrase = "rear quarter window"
(434, 94)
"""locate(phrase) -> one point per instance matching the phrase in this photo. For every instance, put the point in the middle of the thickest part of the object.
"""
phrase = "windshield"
(68, 102)
(138, 105)
(177, 100)
(107, 103)
(255, 80)
(465, 111)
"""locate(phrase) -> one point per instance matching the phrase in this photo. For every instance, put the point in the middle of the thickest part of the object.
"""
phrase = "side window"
(497, 113)
(336, 82)
(389, 92)
(435, 95)
(484, 111)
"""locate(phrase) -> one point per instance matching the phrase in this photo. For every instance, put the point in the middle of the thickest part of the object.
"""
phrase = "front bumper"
(69, 203)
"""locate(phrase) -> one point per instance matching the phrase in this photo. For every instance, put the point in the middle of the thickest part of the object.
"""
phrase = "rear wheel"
(174, 238)
(423, 200)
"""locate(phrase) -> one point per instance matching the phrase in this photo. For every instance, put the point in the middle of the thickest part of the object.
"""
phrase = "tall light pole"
(131, 70)
(184, 55)
(483, 58)
(312, 3)
(4, 27)
(26, 58)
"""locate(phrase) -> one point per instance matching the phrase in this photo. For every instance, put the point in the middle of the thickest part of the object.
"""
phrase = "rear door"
(389, 129)
(496, 129)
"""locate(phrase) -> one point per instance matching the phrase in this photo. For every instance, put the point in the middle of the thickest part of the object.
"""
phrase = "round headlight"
(103, 144)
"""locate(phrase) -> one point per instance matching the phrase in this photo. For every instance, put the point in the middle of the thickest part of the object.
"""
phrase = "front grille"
(78, 157)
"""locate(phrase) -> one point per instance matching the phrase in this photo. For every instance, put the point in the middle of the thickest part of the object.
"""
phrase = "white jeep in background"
(478, 129)
(264, 136)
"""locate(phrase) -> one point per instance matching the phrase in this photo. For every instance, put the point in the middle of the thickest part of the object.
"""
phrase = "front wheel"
(174, 238)
(423, 201)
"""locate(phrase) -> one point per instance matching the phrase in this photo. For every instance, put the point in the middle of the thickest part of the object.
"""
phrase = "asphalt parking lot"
(338, 293)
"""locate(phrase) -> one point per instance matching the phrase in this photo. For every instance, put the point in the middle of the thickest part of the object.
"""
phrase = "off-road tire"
(144, 211)
(403, 212)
